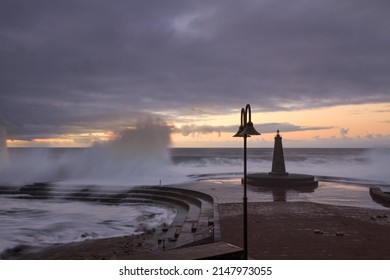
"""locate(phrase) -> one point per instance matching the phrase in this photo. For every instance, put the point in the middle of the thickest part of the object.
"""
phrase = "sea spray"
(27, 166)
(137, 156)
(364, 164)
(378, 164)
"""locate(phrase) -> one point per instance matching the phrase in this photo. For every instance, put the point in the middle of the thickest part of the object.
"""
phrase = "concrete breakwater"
(192, 224)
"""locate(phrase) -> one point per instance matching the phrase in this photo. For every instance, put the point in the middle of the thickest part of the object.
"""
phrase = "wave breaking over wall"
(138, 156)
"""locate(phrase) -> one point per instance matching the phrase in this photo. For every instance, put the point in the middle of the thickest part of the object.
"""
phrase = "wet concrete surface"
(331, 193)
(334, 221)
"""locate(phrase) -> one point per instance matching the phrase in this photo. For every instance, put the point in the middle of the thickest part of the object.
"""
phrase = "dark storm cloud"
(71, 65)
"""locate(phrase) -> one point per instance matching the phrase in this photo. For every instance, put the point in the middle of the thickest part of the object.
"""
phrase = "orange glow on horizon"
(328, 123)
(346, 122)
(53, 140)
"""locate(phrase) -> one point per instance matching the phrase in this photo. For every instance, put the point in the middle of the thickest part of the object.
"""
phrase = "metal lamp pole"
(245, 130)
(245, 202)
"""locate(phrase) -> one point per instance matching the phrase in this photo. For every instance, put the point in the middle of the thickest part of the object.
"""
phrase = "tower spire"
(278, 165)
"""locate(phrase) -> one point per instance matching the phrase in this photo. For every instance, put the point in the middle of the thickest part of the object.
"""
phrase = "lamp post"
(245, 130)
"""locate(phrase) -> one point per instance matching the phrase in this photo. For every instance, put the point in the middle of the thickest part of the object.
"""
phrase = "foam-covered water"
(362, 164)
(43, 222)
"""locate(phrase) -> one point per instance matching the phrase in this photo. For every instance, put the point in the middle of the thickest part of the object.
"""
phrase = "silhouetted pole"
(245, 130)
(245, 202)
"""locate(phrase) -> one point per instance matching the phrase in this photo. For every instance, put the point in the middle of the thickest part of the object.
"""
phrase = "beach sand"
(296, 229)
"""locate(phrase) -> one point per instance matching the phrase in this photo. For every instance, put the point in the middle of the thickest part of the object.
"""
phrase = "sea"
(44, 222)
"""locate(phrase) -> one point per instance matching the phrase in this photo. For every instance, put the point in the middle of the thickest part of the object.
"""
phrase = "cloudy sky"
(76, 71)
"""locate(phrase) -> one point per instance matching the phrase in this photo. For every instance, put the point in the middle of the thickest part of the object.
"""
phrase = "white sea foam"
(40, 222)
(137, 156)
(364, 164)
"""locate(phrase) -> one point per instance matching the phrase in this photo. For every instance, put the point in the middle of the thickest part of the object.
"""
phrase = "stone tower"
(278, 166)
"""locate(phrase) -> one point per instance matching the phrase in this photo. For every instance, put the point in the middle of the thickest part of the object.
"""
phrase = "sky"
(73, 72)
